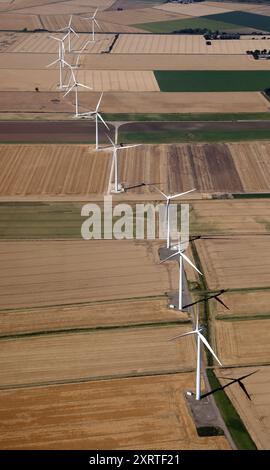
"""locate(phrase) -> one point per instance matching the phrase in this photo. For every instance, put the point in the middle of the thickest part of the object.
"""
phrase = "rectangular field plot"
(195, 10)
(67, 272)
(235, 263)
(11, 21)
(63, 358)
(135, 413)
(85, 316)
(255, 413)
(243, 342)
(245, 304)
(249, 19)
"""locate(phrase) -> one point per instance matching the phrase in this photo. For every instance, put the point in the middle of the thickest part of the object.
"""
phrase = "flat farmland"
(41, 273)
(137, 102)
(243, 342)
(95, 315)
(63, 358)
(194, 10)
(238, 6)
(140, 15)
(232, 217)
(42, 43)
(239, 263)
(183, 44)
(66, 171)
(155, 416)
(244, 304)
(100, 80)
(255, 413)
(13, 21)
(55, 22)
(68, 7)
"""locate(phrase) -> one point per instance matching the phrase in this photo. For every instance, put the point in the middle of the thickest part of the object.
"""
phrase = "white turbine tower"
(75, 86)
(182, 257)
(115, 147)
(61, 61)
(93, 23)
(69, 30)
(97, 116)
(169, 198)
(200, 338)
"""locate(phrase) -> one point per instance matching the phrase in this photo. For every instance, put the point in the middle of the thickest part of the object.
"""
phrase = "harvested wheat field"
(154, 416)
(245, 304)
(243, 342)
(63, 358)
(238, 6)
(255, 413)
(195, 10)
(137, 102)
(59, 7)
(20, 22)
(140, 15)
(71, 171)
(230, 217)
(51, 273)
(236, 263)
(70, 317)
(100, 80)
(182, 44)
(42, 43)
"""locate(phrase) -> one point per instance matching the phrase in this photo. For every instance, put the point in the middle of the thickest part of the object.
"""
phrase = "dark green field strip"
(187, 117)
(243, 18)
(187, 136)
(182, 24)
(235, 425)
(207, 81)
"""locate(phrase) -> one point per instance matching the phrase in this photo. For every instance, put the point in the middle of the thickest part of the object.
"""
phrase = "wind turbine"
(182, 257)
(115, 147)
(69, 30)
(200, 338)
(93, 22)
(97, 116)
(60, 60)
(75, 86)
(169, 198)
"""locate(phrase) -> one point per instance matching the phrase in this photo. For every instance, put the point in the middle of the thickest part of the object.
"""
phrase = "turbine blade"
(99, 101)
(94, 15)
(161, 192)
(102, 120)
(113, 144)
(182, 194)
(169, 257)
(73, 86)
(181, 336)
(54, 62)
(204, 340)
(129, 146)
(98, 25)
(190, 262)
(84, 86)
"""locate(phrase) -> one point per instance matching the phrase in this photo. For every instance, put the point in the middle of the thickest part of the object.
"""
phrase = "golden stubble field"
(133, 413)
(255, 413)
(52, 273)
(79, 171)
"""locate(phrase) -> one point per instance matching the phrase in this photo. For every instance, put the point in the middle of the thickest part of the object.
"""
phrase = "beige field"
(232, 217)
(42, 43)
(136, 102)
(56, 273)
(65, 171)
(155, 416)
(243, 342)
(68, 7)
(140, 15)
(233, 5)
(251, 161)
(88, 316)
(57, 358)
(54, 22)
(11, 21)
(182, 44)
(248, 303)
(237, 263)
(255, 413)
(195, 10)
(98, 80)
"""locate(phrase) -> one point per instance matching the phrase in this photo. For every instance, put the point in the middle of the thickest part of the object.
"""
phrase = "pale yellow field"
(183, 44)
(236, 263)
(250, 303)
(11, 21)
(154, 416)
(93, 315)
(233, 5)
(195, 9)
(140, 15)
(255, 413)
(53, 7)
(41, 273)
(94, 355)
(243, 342)
(98, 80)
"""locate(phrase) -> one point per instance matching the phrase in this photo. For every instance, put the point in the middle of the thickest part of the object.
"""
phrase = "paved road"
(84, 130)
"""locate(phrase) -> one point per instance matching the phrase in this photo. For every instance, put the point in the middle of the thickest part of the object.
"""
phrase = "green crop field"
(192, 23)
(198, 80)
(249, 20)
